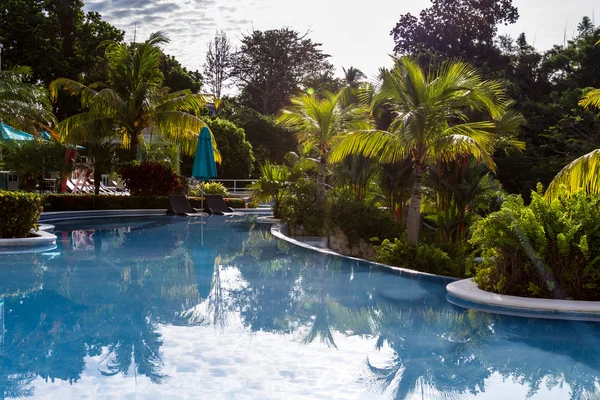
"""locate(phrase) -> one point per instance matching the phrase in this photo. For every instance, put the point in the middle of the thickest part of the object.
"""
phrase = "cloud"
(190, 24)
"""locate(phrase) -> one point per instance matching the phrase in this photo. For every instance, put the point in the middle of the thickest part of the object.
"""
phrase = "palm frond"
(581, 173)
(374, 143)
(73, 88)
(591, 99)
(448, 148)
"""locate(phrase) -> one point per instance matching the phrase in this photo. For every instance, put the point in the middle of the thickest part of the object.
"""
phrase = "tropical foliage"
(431, 122)
(22, 104)
(33, 160)
(132, 100)
(421, 257)
(272, 186)
(209, 188)
(320, 121)
(545, 249)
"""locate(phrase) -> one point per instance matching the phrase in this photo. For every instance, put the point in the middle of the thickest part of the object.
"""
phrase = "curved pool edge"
(38, 239)
(55, 216)
(468, 293)
(279, 230)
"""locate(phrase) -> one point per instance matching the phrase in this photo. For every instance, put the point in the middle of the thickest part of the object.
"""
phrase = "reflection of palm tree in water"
(321, 327)
(216, 303)
(433, 350)
(434, 353)
(135, 344)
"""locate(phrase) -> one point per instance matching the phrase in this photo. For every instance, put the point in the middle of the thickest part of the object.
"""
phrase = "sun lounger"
(78, 189)
(216, 205)
(181, 206)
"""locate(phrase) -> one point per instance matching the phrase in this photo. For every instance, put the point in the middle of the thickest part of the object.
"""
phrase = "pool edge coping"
(40, 238)
(467, 290)
(278, 230)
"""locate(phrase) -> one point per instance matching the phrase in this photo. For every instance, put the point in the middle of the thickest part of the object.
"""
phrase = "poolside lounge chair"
(82, 188)
(181, 206)
(216, 205)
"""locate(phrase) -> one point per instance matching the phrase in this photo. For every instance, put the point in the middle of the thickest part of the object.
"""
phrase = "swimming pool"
(170, 308)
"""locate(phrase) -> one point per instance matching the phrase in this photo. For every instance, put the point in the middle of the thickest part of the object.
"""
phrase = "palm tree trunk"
(413, 221)
(97, 178)
(133, 146)
(321, 183)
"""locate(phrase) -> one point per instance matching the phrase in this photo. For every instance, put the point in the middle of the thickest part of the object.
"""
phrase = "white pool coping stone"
(268, 220)
(467, 290)
(39, 238)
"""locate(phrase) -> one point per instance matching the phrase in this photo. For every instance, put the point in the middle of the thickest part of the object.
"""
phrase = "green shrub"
(20, 213)
(71, 202)
(209, 188)
(298, 208)
(546, 249)
(237, 203)
(360, 219)
(422, 257)
(236, 151)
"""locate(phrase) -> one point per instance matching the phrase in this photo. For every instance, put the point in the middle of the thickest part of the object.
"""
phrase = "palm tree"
(431, 122)
(320, 121)
(133, 100)
(583, 172)
(353, 76)
(23, 105)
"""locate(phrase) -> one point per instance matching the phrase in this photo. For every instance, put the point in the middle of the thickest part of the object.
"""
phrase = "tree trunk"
(97, 179)
(133, 146)
(413, 221)
(321, 183)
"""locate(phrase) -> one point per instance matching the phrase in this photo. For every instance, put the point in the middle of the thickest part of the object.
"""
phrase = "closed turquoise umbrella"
(205, 167)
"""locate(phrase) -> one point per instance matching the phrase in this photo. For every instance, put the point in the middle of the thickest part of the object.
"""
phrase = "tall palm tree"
(319, 121)
(431, 121)
(353, 76)
(23, 105)
(132, 100)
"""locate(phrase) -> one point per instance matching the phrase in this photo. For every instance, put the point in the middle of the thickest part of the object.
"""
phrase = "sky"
(355, 33)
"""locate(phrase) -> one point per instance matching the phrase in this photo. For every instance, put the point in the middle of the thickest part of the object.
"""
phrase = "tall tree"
(271, 65)
(455, 29)
(177, 77)
(54, 37)
(353, 76)
(431, 122)
(219, 64)
(132, 100)
(320, 121)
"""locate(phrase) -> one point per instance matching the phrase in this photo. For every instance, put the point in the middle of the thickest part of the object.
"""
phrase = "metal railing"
(236, 187)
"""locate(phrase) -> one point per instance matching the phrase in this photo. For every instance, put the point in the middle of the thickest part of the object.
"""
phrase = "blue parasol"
(205, 167)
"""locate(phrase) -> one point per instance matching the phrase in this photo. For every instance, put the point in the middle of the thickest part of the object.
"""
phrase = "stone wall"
(338, 242)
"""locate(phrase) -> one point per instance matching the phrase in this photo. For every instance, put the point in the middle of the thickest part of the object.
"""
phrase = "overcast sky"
(353, 32)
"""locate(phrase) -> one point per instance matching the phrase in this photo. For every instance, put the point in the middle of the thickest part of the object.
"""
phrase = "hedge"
(73, 202)
(19, 213)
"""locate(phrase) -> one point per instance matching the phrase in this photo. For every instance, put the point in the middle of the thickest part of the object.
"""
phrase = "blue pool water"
(171, 308)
